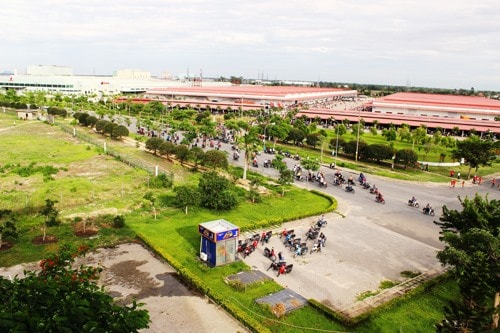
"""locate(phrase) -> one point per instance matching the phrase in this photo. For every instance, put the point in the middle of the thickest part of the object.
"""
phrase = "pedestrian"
(281, 270)
(427, 167)
(480, 180)
(453, 182)
(493, 182)
(463, 183)
(458, 175)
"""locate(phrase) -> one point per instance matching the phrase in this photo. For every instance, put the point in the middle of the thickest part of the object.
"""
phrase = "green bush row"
(195, 282)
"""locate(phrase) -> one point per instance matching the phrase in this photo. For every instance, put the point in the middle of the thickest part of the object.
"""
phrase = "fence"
(120, 156)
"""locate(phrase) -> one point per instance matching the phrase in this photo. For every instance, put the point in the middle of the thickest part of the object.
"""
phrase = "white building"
(60, 79)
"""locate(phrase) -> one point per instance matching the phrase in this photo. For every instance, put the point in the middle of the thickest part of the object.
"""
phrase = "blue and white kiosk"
(219, 242)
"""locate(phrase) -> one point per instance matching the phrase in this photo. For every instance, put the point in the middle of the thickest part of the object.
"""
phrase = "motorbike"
(300, 250)
(285, 232)
(374, 190)
(350, 189)
(380, 200)
(276, 265)
(266, 236)
(428, 211)
(269, 254)
(315, 248)
(242, 245)
(312, 234)
(248, 250)
(236, 156)
(366, 186)
(294, 244)
(413, 204)
(321, 223)
(255, 164)
(289, 238)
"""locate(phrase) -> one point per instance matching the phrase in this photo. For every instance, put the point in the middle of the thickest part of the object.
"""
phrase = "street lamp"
(265, 127)
(357, 137)
(337, 144)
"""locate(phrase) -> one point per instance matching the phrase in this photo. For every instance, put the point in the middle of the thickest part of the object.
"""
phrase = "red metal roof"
(455, 101)
(398, 119)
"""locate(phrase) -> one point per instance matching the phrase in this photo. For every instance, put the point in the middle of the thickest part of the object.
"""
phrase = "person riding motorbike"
(412, 201)
(379, 197)
(427, 208)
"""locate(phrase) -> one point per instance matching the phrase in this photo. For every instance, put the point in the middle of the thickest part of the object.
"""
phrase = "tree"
(101, 125)
(310, 165)
(476, 152)
(472, 251)
(50, 213)
(390, 134)
(406, 157)
(187, 196)
(216, 192)
(60, 298)
(278, 132)
(182, 153)
(296, 135)
(249, 140)
(379, 152)
(215, 159)
(312, 139)
(8, 229)
(166, 148)
(154, 144)
(118, 131)
(197, 155)
(152, 199)
(285, 178)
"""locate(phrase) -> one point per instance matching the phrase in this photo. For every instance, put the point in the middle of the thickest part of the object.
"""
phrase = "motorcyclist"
(412, 201)
(427, 208)
(379, 197)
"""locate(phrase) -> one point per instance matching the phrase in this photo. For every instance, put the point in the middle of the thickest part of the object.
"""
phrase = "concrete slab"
(250, 277)
(286, 297)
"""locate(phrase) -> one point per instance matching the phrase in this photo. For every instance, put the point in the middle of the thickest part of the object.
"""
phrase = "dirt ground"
(130, 270)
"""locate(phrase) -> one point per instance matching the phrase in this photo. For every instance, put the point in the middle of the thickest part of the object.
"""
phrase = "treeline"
(101, 126)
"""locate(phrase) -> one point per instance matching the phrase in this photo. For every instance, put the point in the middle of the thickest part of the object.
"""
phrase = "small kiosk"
(219, 242)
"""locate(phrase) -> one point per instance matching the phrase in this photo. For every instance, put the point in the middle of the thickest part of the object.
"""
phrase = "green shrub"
(118, 222)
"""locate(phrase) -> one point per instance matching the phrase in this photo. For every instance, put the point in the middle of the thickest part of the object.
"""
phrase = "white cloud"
(360, 40)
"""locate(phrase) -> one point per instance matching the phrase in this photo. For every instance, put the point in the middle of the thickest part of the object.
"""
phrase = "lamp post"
(337, 144)
(357, 137)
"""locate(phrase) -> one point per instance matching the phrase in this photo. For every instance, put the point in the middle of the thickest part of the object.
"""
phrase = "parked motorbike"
(248, 250)
(285, 232)
(242, 245)
(315, 248)
(312, 234)
(276, 265)
(266, 236)
(300, 250)
(269, 254)
(321, 223)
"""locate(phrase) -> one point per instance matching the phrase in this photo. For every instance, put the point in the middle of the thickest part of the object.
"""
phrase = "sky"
(440, 43)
